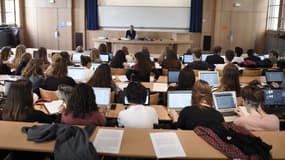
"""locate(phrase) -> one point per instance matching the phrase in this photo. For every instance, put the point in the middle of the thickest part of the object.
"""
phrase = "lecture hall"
(142, 79)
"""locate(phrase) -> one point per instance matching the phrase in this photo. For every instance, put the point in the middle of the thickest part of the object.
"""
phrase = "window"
(276, 15)
(9, 9)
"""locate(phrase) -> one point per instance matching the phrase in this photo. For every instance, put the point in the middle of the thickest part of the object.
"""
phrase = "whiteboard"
(144, 17)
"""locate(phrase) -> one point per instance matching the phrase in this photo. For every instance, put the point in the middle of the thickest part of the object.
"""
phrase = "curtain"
(196, 16)
(91, 8)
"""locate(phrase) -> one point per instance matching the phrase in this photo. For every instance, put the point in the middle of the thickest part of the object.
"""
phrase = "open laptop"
(274, 97)
(94, 66)
(204, 56)
(225, 102)
(177, 100)
(274, 76)
(76, 57)
(103, 96)
(77, 73)
(212, 77)
(147, 100)
(104, 57)
(172, 76)
(187, 58)
(7, 85)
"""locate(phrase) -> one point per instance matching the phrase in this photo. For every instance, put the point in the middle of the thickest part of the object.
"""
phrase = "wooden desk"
(155, 47)
(160, 110)
(135, 142)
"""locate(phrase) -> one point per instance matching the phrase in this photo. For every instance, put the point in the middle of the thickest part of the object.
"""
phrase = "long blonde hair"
(20, 50)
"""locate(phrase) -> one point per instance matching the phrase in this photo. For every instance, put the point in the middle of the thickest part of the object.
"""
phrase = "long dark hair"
(102, 77)
(143, 63)
(42, 54)
(34, 67)
(118, 60)
(82, 101)
(186, 79)
(19, 100)
(5, 53)
(230, 80)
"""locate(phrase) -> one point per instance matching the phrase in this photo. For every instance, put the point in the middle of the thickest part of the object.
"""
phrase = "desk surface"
(136, 142)
(160, 110)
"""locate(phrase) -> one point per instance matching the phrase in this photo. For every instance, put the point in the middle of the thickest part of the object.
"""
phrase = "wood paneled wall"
(246, 22)
(43, 19)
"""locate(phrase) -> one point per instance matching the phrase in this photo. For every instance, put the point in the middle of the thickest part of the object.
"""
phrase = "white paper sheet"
(54, 106)
(123, 78)
(122, 85)
(160, 87)
(167, 145)
(108, 140)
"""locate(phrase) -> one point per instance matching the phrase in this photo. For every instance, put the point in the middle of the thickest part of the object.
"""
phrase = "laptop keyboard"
(231, 113)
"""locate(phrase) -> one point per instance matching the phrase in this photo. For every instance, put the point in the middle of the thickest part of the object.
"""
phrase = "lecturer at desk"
(131, 33)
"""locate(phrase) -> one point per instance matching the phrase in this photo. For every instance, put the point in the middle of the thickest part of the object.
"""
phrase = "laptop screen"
(76, 57)
(77, 73)
(7, 85)
(187, 58)
(274, 97)
(104, 57)
(103, 96)
(212, 77)
(173, 76)
(204, 56)
(274, 76)
(225, 101)
(94, 66)
(126, 102)
(179, 99)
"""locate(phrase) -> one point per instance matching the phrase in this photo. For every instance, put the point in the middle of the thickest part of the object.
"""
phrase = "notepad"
(108, 140)
(159, 87)
(123, 78)
(167, 145)
(54, 106)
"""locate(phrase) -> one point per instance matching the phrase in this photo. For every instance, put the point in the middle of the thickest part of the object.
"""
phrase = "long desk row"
(135, 142)
(161, 85)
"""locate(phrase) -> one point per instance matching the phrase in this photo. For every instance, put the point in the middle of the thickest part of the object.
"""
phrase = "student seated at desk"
(171, 61)
(86, 63)
(66, 58)
(34, 72)
(238, 58)
(142, 69)
(129, 58)
(4, 56)
(19, 105)
(230, 79)
(215, 58)
(95, 56)
(81, 108)
(197, 61)
(257, 120)
(118, 60)
(57, 74)
(186, 80)
(23, 63)
(102, 78)
(20, 50)
(202, 111)
(137, 115)
(42, 54)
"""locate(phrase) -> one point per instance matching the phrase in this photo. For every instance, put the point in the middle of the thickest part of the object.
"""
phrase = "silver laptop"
(76, 57)
(225, 101)
(102, 96)
(77, 73)
(212, 77)
(177, 100)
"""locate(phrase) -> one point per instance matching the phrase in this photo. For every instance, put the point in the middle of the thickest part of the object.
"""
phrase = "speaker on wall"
(79, 39)
(207, 43)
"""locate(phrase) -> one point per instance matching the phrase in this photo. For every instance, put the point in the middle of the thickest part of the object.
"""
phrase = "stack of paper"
(108, 140)
(167, 145)
(54, 106)
(159, 87)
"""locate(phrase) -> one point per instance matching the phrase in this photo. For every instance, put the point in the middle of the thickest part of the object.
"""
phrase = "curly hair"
(82, 101)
